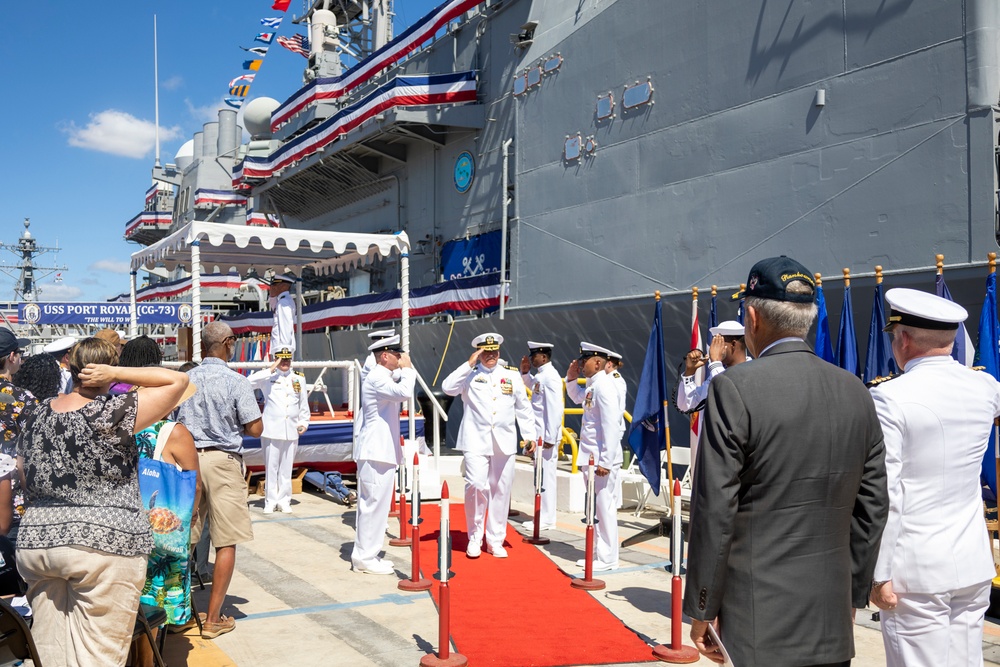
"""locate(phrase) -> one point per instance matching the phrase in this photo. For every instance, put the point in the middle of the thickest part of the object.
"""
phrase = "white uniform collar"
(936, 359)
(483, 369)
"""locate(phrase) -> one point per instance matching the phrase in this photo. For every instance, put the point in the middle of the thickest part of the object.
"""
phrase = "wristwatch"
(879, 584)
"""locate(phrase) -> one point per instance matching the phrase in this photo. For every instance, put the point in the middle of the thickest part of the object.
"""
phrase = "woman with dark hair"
(84, 536)
(40, 375)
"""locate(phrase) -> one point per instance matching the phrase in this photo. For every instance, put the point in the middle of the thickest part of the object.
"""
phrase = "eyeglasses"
(229, 338)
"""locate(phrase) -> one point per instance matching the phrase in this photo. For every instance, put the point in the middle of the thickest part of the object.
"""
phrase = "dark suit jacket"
(787, 510)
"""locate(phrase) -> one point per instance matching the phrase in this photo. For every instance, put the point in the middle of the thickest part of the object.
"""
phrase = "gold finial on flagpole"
(715, 290)
(940, 264)
(992, 256)
(694, 293)
(847, 278)
(819, 279)
(657, 295)
(743, 287)
(878, 274)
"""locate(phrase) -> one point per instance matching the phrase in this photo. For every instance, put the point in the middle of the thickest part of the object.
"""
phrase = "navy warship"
(578, 155)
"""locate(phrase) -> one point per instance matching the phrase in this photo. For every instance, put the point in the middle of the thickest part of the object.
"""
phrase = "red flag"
(281, 5)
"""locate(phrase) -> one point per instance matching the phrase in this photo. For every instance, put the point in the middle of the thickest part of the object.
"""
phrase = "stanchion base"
(592, 585)
(536, 540)
(453, 660)
(418, 585)
(679, 656)
(400, 542)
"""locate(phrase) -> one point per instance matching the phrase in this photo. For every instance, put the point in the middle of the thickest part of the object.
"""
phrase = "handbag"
(168, 496)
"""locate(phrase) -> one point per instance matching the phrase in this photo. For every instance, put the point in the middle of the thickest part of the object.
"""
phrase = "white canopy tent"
(209, 246)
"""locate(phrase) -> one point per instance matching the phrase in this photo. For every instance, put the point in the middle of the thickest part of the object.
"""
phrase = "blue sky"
(78, 115)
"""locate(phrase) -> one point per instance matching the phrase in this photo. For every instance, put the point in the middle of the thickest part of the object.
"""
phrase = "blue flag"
(962, 350)
(648, 433)
(878, 358)
(713, 314)
(847, 340)
(824, 344)
(988, 355)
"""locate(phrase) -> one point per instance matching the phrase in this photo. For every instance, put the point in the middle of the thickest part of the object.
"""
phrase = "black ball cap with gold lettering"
(769, 279)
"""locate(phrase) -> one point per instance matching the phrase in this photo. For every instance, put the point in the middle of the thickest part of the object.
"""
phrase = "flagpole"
(666, 429)
(156, 94)
(992, 256)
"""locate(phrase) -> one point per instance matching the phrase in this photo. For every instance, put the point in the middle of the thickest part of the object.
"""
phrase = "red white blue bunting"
(205, 197)
(175, 288)
(147, 219)
(331, 88)
(403, 91)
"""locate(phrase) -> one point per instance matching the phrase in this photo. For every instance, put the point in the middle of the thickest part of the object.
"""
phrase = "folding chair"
(15, 635)
(640, 486)
(149, 617)
(680, 459)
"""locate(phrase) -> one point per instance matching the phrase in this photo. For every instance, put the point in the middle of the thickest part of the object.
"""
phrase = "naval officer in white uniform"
(377, 451)
(493, 396)
(59, 349)
(283, 306)
(285, 417)
(600, 435)
(370, 361)
(726, 349)
(935, 564)
(613, 368)
(548, 404)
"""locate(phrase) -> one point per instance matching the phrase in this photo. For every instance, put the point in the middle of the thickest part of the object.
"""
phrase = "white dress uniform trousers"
(547, 403)
(285, 409)
(377, 453)
(492, 401)
(936, 421)
(600, 435)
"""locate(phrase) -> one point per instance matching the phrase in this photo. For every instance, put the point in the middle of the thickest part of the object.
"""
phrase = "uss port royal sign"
(104, 314)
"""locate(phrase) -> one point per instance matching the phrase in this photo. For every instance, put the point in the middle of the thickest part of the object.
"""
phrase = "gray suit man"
(789, 497)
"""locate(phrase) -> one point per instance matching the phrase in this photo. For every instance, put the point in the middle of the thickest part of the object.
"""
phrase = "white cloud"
(60, 292)
(172, 83)
(110, 265)
(206, 113)
(118, 133)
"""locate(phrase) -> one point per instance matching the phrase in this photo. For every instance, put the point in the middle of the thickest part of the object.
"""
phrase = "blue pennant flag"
(847, 340)
(878, 358)
(265, 37)
(824, 344)
(962, 351)
(989, 356)
(713, 314)
(648, 432)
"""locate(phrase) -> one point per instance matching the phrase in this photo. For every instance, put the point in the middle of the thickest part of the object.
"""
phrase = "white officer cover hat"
(614, 356)
(58, 347)
(488, 341)
(591, 350)
(534, 346)
(390, 343)
(381, 333)
(922, 310)
(727, 328)
(283, 278)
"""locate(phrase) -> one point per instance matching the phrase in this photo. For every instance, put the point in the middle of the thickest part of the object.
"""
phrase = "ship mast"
(27, 273)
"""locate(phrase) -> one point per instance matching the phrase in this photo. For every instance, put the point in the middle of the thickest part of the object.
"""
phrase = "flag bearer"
(932, 578)
(600, 436)
(286, 417)
(494, 398)
(377, 450)
(547, 403)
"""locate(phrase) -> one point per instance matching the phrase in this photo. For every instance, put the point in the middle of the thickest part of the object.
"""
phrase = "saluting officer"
(493, 396)
(377, 451)
(283, 306)
(59, 349)
(370, 361)
(932, 577)
(728, 348)
(547, 403)
(286, 417)
(600, 435)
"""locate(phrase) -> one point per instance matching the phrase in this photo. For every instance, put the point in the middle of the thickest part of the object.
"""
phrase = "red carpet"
(521, 611)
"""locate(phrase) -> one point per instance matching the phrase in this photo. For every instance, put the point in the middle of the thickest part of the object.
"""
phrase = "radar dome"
(257, 116)
(185, 155)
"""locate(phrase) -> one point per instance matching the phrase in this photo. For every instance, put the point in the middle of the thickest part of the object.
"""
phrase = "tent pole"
(298, 317)
(196, 300)
(133, 328)
(404, 314)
